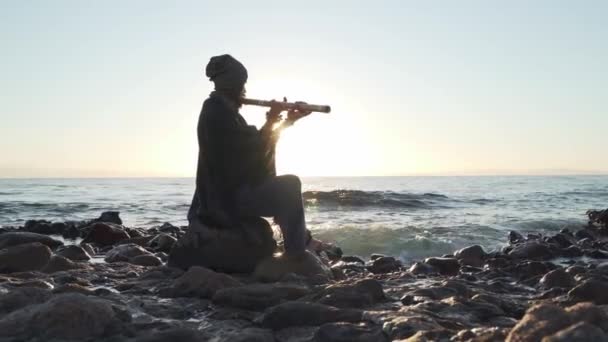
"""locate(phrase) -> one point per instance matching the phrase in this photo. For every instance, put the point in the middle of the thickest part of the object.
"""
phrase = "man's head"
(228, 74)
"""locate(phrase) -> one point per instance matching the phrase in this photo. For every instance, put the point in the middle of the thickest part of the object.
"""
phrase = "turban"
(226, 72)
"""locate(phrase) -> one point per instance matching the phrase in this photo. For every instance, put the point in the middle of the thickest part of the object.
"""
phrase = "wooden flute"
(288, 105)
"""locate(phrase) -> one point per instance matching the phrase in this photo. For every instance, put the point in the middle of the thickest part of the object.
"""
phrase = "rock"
(199, 282)
(349, 332)
(590, 290)
(449, 266)
(57, 263)
(109, 217)
(105, 234)
(571, 252)
(259, 296)
(44, 227)
(422, 268)
(162, 243)
(472, 255)
(354, 259)
(539, 321)
(531, 250)
(515, 237)
(580, 332)
(21, 297)
(362, 293)
(556, 278)
(65, 317)
(401, 327)
(24, 257)
(291, 314)
(176, 334)
(276, 267)
(384, 265)
(146, 260)
(236, 250)
(73, 252)
(125, 252)
(18, 238)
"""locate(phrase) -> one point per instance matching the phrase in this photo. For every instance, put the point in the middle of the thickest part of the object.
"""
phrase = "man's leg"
(279, 197)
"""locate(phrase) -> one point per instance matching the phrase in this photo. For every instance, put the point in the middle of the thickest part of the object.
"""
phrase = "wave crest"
(358, 198)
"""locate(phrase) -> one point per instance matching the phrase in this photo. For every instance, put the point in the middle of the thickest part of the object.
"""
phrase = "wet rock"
(403, 327)
(24, 257)
(199, 282)
(168, 228)
(276, 267)
(556, 278)
(57, 263)
(429, 335)
(384, 264)
(571, 252)
(64, 317)
(419, 268)
(162, 243)
(531, 250)
(592, 290)
(515, 237)
(105, 234)
(580, 332)
(448, 266)
(109, 217)
(225, 250)
(73, 252)
(176, 334)
(350, 258)
(18, 238)
(434, 292)
(125, 252)
(472, 255)
(362, 293)
(540, 321)
(146, 260)
(303, 313)
(584, 234)
(349, 332)
(44, 227)
(259, 296)
(21, 297)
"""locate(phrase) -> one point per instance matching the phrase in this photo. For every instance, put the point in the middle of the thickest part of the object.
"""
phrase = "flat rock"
(199, 282)
(105, 234)
(349, 332)
(292, 314)
(57, 263)
(362, 293)
(259, 296)
(146, 260)
(18, 238)
(24, 257)
(73, 252)
(236, 250)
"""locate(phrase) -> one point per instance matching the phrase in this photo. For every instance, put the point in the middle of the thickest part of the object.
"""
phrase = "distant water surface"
(411, 217)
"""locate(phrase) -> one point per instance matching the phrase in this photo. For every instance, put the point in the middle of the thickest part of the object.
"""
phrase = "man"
(235, 174)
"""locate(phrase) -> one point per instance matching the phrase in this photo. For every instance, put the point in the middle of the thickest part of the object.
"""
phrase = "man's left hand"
(296, 114)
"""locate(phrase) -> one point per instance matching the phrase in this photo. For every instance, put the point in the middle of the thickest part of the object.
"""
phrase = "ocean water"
(409, 217)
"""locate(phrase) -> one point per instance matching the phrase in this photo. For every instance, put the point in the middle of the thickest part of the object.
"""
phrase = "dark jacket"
(231, 155)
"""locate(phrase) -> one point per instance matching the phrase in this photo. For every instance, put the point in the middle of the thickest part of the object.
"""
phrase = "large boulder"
(25, 257)
(66, 317)
(226, 250)
(19, 238)
(105, 234)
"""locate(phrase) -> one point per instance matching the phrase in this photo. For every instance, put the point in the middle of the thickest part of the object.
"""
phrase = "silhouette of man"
(235, 175)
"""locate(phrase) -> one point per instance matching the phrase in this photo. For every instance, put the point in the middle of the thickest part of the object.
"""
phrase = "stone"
(539, 321)
(24, 257)
(105, 234)
(556, 278)
(57, 263)
(531, 250)
(384, 264)
(162, 243)
(73, 252)
(307, 264)
(259, 296)
(237, 250)
(515, 237)
(125, 252)
(69, 316)
(448, 266)
(472, 255)
(351, 258)
(592, 290)
(199, 282)
(109, 217)
(21, 297)
(176, 334)
(580, 332)
(349, 332)
(362, 293)
(146, 260)
(422, 268)
(292, 314)
(18, 238)
(401, 327)
(587, 312)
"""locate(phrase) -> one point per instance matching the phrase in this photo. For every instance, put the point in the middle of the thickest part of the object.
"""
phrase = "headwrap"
(226, 72)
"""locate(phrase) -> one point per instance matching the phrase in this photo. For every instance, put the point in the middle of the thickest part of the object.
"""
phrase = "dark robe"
(231, 155)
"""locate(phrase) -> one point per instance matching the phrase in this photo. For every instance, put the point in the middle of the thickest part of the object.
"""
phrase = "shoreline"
(115, 286)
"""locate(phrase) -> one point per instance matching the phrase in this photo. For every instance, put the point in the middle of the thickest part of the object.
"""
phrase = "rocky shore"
(99, 280)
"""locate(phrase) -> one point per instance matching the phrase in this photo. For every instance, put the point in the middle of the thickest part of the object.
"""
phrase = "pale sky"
(114, 88)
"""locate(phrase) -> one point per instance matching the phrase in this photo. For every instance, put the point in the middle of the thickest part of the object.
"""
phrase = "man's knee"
(292, 181)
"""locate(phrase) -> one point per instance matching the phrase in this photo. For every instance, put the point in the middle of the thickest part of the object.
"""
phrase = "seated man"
(235, 174)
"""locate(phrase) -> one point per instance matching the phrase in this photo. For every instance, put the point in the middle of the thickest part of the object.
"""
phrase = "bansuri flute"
(288, 105)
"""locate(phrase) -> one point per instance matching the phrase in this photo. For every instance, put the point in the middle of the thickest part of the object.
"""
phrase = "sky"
(114, 88)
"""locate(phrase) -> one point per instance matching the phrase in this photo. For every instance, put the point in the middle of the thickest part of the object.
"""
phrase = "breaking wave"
(389, 199)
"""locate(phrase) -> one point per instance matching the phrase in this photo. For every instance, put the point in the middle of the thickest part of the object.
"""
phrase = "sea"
(408, 217)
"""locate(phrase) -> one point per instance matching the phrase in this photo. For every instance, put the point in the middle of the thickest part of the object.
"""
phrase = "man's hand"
(296, 114)
(274, 114)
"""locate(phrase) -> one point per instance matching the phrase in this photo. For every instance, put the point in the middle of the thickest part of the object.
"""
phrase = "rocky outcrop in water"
(536, 288)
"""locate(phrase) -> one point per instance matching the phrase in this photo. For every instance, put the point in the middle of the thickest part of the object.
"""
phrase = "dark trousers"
(279, 197)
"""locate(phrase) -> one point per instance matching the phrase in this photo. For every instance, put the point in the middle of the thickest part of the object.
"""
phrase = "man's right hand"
(274, 114)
